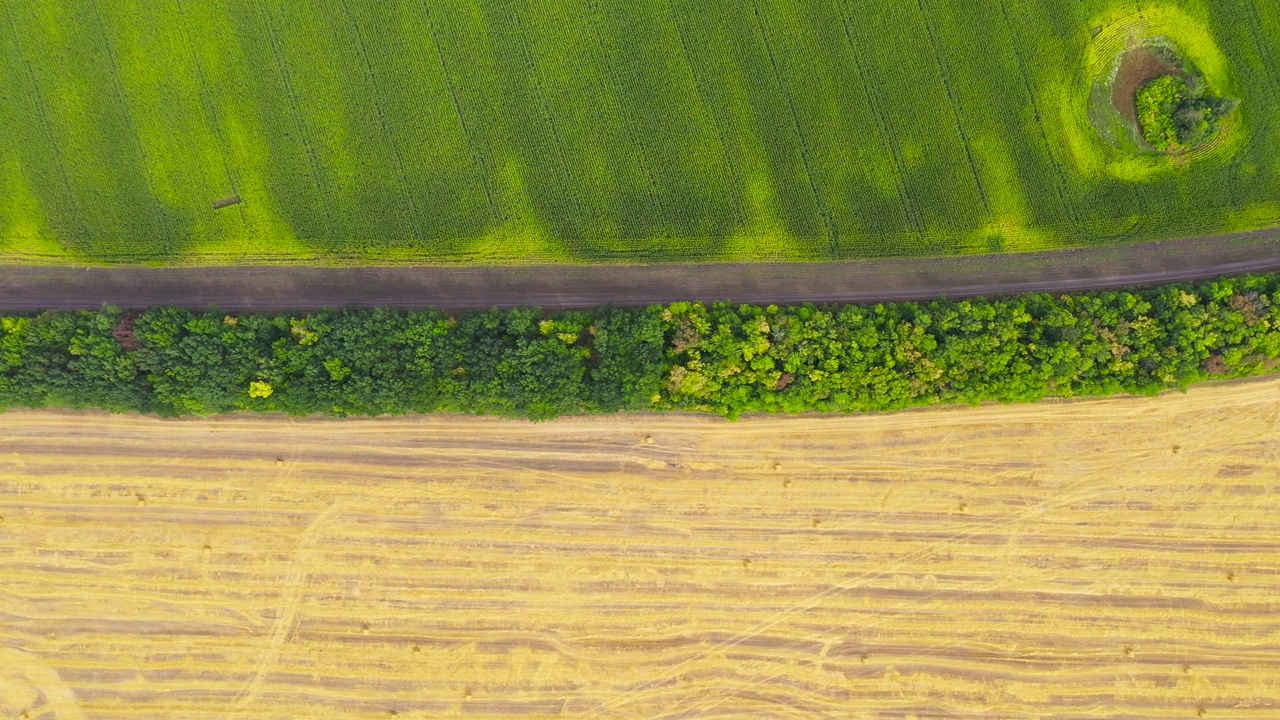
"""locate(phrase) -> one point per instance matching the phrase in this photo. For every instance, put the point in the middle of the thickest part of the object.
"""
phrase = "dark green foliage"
(71, 360)
(1177, 114)
(686, 356)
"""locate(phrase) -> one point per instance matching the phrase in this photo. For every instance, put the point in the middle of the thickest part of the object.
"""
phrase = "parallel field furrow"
(884, 127)
(630, 129)
(323, 192)
(477, 155)
(498, 131)
(568, 184)
(833, 235)
(42, 116)
(1039, 116)
(955, 104)
(162, 228)
(210, 106)
(704, 108)
(402, 178)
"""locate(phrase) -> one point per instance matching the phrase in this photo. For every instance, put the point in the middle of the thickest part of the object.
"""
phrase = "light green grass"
(516, 131)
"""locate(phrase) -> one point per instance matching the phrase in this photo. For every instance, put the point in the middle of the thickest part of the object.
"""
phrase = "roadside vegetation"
(716, 358)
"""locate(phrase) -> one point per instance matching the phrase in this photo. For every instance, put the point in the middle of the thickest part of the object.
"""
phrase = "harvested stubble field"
(545, 131)
(1105, 559)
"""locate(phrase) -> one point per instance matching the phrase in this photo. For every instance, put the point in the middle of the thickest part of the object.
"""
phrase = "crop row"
(590, 130)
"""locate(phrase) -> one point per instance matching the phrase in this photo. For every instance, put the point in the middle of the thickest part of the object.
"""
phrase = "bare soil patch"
(1140, 66)
(24, 288)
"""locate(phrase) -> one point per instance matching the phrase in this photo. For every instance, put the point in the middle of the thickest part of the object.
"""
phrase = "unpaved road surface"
(1100, 559)
(569, 286)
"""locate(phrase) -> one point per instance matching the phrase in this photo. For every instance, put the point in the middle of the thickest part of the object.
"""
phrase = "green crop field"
(461, 131)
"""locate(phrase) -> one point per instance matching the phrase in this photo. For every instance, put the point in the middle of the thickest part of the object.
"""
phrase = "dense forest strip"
(686, 356)
(585, 286)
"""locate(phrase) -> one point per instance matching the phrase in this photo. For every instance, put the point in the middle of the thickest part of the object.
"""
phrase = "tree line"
(720, 358)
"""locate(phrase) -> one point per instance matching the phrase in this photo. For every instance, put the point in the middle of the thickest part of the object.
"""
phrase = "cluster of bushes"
(1176, 114)
(718, 358)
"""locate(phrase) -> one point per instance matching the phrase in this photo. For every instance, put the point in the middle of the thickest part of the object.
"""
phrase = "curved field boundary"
(568, 286)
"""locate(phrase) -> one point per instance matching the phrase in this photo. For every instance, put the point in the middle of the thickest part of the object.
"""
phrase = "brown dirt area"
(1111, 558)
(244, 288)
(1139, 67)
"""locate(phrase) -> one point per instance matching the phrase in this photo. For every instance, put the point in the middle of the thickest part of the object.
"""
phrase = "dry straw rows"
(1100, 559)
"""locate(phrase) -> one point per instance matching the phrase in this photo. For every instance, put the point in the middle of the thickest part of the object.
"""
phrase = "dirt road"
(1104, 559)
(564, 286)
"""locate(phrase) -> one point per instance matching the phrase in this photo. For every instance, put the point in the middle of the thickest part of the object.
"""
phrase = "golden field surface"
(1097, 559)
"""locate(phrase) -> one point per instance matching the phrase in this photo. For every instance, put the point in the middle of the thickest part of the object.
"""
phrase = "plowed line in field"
(955, 105)
(477, 154)
(1033, 103)
(569, 185)
(46, 123)
(375, 96)
(742, 216)
(629, 127)
(210, 107)
(910, 206)
(821, 204)
(126, 109)
(300, 124)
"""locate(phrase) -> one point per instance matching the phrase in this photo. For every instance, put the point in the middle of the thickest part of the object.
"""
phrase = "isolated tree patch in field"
(1199, 46)
(1159, 101)
(1177, 115)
